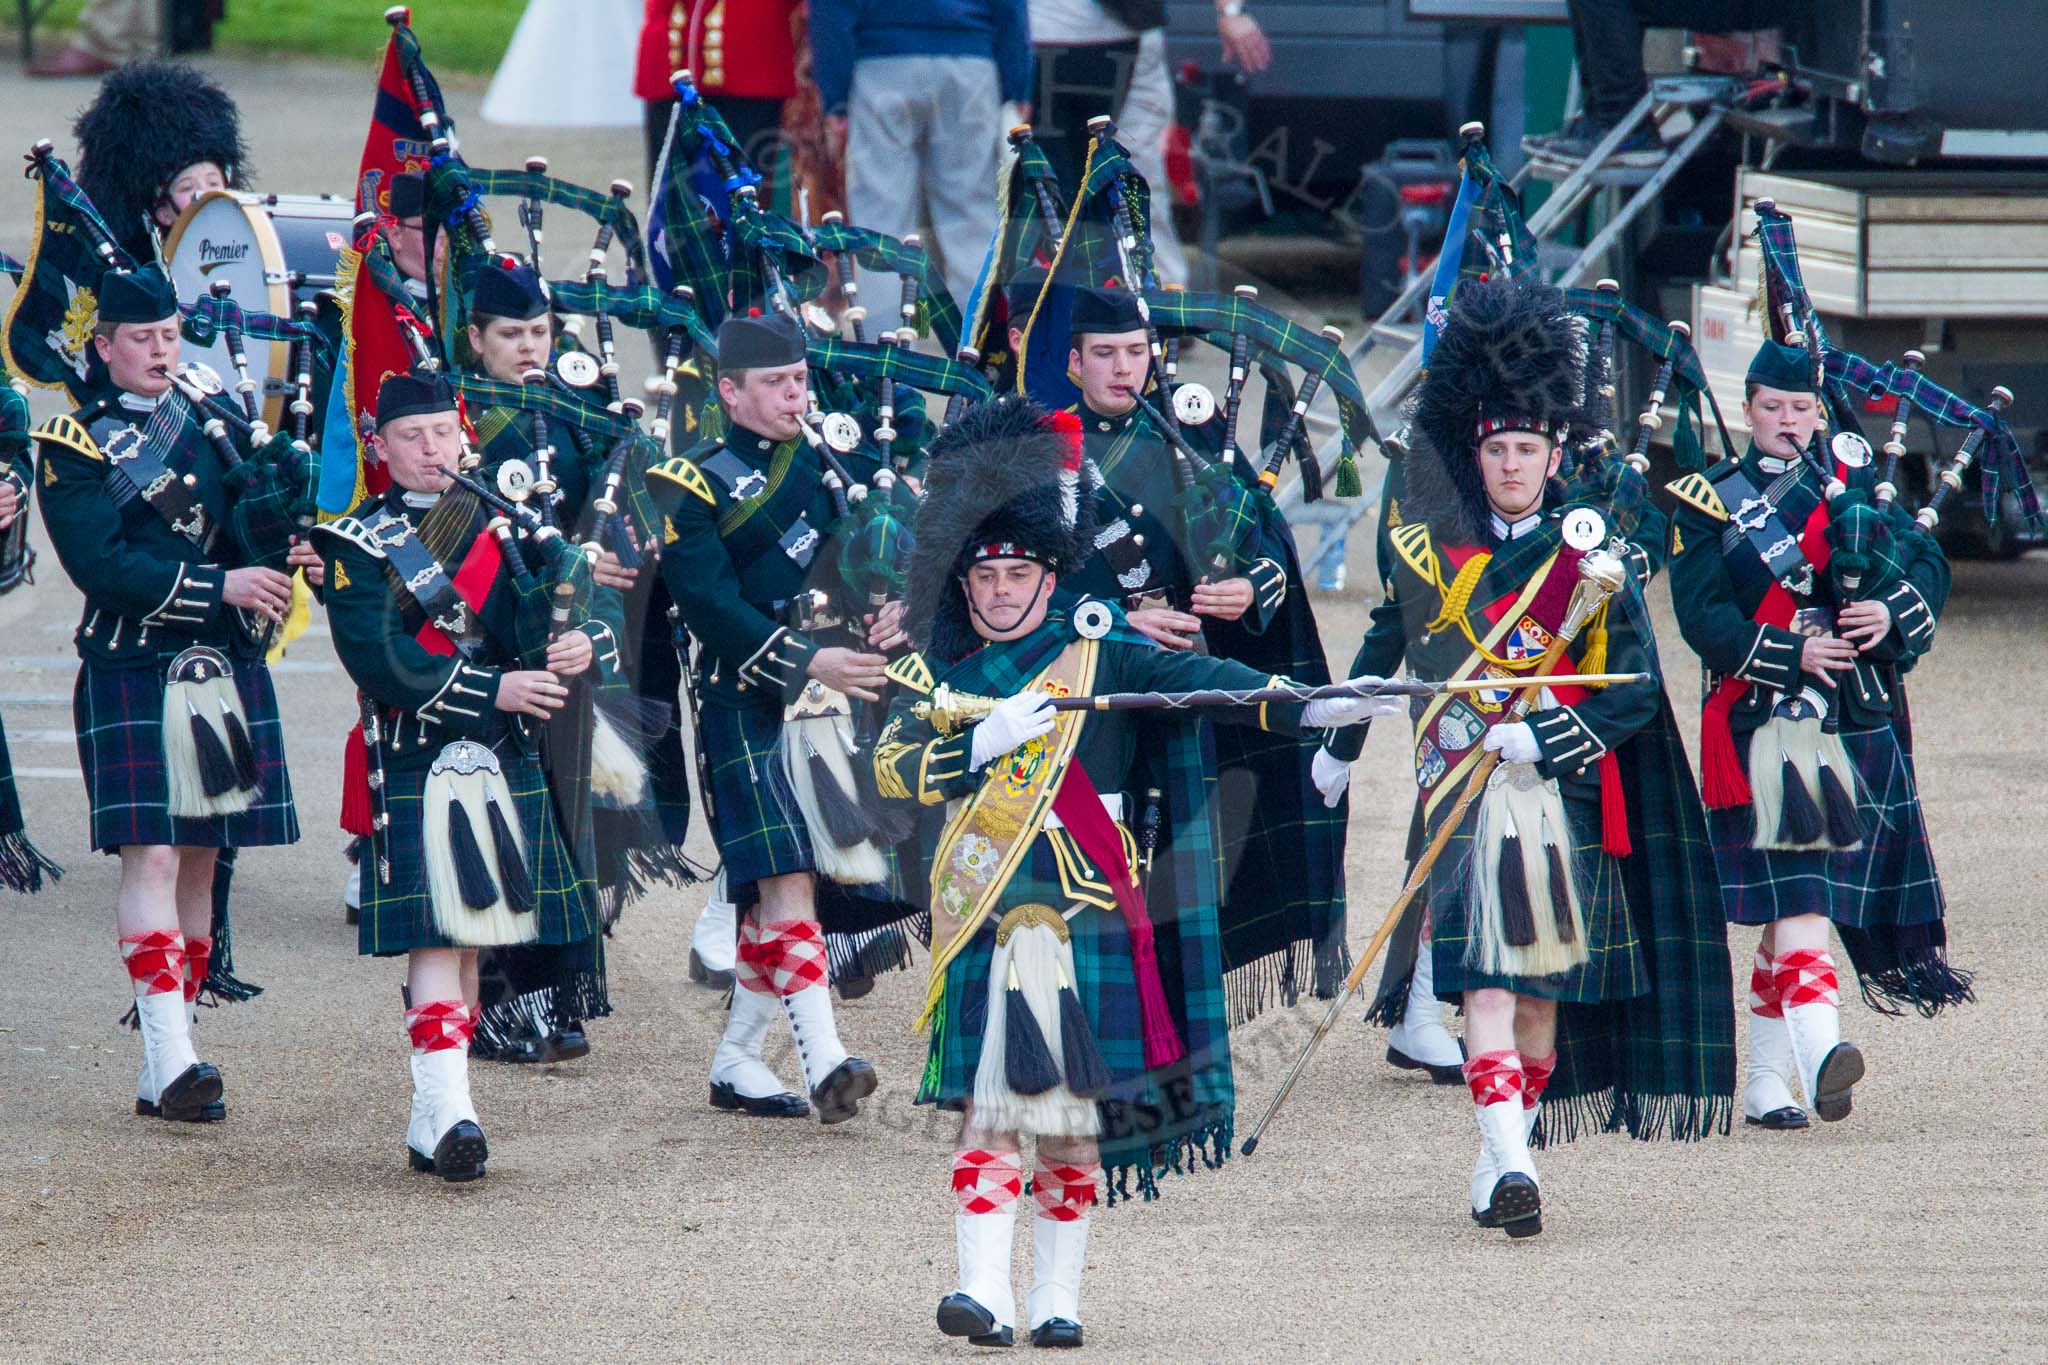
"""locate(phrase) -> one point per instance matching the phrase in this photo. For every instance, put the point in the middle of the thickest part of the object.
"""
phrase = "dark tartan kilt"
(1614, 970)
(399, 918)
(754, 815)
(118, 714)
(1104, 981)
(1889, 880)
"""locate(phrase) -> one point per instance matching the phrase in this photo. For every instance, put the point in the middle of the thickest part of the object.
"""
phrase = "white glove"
(1514, 743)
(1332, 711)
(1016, 720)
(1331, 775)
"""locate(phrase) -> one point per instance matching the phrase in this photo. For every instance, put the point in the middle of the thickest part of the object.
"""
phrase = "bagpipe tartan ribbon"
(934, 373)
(1216, 316)
(1689, 384)
(599, 206)
(207, 317)
(767, 234)
(1499, 207)
(685, 241)
(637, 305)
(1019, 239)
(479, 390)
(2001, 464)
(938, 313)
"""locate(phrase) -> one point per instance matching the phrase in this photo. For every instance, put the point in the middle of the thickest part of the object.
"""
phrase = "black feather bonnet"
(1007, 474)
(150, 121)
(1510, 357)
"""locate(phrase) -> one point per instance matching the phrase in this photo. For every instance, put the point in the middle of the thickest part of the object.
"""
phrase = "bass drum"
(273, 250)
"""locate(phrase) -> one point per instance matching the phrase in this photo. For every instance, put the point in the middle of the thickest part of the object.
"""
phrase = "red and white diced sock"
(754, 963)
(1536, 1072)
(1806, 976)
(985, 1181)
(1763, 988)
(155, 961)
(198, 958)
(798, 961)
(1064, 1193)
(439, 1025)
(1495, 1077)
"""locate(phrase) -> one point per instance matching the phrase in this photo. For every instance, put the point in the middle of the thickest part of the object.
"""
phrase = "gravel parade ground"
(624, 1219)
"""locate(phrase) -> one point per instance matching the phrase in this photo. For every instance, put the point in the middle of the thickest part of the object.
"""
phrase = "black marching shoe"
(726, 1096)
(1516, 1208)
(1058, 1333)
(185, 1099)
(1788, 1119)
(961, 1316)
(705, 976)
(458, 1157)
(838, 1096)
(853, 987)
(567, 1043)
(1454, 1074)
(1838, 1074)
(214, 1111)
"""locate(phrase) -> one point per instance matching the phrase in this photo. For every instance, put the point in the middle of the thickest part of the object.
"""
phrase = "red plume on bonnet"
(1068, 425)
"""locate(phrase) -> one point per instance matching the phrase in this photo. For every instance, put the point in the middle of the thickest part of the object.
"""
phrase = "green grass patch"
(457, 35)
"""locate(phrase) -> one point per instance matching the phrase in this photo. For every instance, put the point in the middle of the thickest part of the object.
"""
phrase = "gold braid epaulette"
(1696, 491)
(71, 435)
(685, 475)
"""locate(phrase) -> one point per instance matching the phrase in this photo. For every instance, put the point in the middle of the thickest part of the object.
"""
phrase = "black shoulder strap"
(421, 576)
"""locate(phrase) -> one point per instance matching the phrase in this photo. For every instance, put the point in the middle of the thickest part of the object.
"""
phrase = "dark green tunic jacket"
(749, 525)
(145, 583)
(1718, 584)
(427, 699)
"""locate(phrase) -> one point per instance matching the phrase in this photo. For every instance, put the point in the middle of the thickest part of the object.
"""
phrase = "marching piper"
(540, 995)
(446, 630)
(1534, 807)
(1806, 605)
(1207, 562)
(176, 543)
(1047, 1002)
(22, 865)
(746, 560)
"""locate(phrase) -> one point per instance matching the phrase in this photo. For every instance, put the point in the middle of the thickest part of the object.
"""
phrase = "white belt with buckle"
(1113, 802)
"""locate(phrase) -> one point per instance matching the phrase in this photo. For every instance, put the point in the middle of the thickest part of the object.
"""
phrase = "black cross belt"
(424, 578)
(1753, 514)
(132, 451)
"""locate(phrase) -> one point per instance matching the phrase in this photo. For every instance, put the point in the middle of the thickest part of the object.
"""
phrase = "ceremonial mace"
(1600, 576)
(949, 711)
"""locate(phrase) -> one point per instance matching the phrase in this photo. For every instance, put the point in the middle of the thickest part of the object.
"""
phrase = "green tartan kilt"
(1614, 968)
(760, 832)
(1889, 880)
(118, 715)
(399, 917)
(1104, 981)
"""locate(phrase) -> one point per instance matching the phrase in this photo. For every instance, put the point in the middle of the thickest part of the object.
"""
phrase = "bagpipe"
(1988, 446)
(1050, 245)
